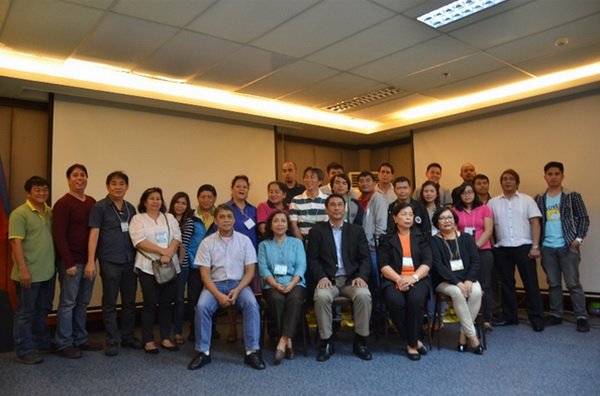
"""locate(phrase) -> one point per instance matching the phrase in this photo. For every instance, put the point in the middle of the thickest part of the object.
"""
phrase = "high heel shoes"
(478, 350)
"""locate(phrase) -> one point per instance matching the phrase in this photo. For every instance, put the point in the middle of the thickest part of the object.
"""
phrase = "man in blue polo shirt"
(111, 245)
(30, 235)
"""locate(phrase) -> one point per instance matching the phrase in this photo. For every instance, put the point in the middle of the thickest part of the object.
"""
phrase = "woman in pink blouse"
(476, 219)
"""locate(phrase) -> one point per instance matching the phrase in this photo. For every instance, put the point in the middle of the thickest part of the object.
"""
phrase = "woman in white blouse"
(157, 236)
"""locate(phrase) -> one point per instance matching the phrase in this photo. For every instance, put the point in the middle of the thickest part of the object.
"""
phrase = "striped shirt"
(307, 211)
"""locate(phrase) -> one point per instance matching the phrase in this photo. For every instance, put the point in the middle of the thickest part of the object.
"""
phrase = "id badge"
(457, 265)
(280, 269)
(124, 226)
(161, 238)
(407, 262)
(249, 224)
(470, 231)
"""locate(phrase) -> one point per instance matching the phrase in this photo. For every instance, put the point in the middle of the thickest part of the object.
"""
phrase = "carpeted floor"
(558, 361)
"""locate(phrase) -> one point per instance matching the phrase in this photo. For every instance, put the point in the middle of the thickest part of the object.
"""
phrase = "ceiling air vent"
(364, 99)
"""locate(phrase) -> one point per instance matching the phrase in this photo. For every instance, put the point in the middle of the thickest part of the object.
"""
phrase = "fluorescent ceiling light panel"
(456, 10)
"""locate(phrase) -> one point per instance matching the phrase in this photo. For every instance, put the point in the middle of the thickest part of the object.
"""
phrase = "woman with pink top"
(275, 201)
(476, 219)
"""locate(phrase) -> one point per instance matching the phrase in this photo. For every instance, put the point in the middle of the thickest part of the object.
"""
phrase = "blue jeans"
(207, 306)
(182, 280)
(30, 328)
(566, 262)
(75, 295)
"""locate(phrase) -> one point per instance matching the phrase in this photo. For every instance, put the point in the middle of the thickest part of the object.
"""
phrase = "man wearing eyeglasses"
(517, 226)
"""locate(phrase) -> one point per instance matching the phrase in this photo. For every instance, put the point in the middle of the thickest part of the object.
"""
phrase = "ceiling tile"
(423, 56)
(123, 41)
(385, 111)
(243, 21)
(380, 40)
(100, 4)
(332, 90)
(245, 66)
(462, 69)
(47, 27)
(504, 76)
(288, 79)
(322, 25)
(194, 52)
(174, 12)
(401, 6)
(568, 58)
(579, 33)
(526, 20)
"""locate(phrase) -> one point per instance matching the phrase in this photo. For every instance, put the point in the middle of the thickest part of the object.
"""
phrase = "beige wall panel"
(350, 160)
(303, 155)
(5, 137)
(400, 156)
(325, 155)
(29, 148)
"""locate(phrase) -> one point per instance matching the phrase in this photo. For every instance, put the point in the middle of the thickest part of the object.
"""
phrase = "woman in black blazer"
(456, 271)
(404, 259)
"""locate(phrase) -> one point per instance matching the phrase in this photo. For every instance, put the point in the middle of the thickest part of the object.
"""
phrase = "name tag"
(407, 262)
(280, 269)
(124, 226)
(456, 265)
(249, 224)
(470, 231)
(161, 238)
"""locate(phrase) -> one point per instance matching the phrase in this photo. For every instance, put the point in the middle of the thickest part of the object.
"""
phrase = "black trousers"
(505, 259)
(285, 309)
(155, 295)
(406, 309)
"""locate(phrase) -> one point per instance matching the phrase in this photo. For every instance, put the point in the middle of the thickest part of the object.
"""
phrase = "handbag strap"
(168, 237)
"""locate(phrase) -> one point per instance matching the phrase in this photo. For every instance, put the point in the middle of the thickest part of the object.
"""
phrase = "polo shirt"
(114, 244)
(227, 258)
(307, 211)
(35, 232)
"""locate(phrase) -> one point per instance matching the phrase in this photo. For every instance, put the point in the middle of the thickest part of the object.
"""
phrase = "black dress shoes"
(423, 350)
(362, 352)
(327, 349)
(199, 361)
(461, 347)
(132, 343)
(501, 323)
(255, 361)
(538, 327)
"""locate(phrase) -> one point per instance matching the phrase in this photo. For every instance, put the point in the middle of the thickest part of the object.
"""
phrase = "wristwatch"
(580, 240)
(416, 277)
(536, 247)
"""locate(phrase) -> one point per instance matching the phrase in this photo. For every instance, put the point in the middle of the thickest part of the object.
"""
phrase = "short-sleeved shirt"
(226, 257)
(35, 232)
(114, 244)
(473, 222)
(160, 232)
(553, 232)
(511, 219)
(245, 221)
(307, 211)
(70, 218)
(290, 193)
(264, 210)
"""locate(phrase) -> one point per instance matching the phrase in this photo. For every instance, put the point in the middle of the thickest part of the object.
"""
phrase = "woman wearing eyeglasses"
(404, 259)
(476, 219)
(456, 270)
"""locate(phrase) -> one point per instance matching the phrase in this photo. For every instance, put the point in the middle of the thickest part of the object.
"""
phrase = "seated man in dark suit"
(338, 256)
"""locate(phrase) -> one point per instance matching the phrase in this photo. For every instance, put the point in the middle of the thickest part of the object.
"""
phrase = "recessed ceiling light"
(456, 10)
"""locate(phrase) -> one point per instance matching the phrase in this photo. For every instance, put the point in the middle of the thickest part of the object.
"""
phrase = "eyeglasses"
(446, 218)
(467, 192)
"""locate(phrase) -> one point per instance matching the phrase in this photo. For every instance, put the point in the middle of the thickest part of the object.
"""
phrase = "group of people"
(386, 249)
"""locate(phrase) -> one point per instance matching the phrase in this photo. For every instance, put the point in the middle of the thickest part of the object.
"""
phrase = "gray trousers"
(557, 261)
(361, 307)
